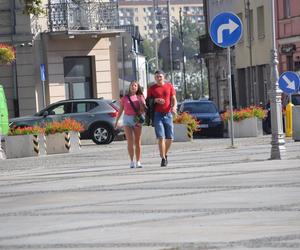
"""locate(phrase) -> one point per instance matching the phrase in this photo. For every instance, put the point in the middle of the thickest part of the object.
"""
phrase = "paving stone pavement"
(209, 197)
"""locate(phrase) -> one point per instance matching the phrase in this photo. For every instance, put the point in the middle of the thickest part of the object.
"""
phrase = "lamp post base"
(278, 150)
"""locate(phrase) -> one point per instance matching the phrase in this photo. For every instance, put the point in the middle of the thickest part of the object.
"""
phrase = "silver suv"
(98, 117)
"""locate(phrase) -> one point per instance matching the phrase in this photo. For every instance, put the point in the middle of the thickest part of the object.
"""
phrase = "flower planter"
(148, 135)
(296, 123)
(250, 127)
(182, 133)
(19, 146)
(62, 142)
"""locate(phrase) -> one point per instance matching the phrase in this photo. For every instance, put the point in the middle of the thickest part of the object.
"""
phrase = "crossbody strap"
(132, 105)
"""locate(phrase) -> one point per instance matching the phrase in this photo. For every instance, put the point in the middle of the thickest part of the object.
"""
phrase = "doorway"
(78, 77)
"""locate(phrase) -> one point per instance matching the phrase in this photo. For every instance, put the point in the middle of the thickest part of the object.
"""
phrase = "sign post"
(225, 31)
(43, 79)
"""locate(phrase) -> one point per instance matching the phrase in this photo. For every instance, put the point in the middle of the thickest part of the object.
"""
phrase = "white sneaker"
(132, 165)
(138, 164)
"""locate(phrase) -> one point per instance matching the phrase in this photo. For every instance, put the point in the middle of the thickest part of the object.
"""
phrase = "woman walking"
(133, 105)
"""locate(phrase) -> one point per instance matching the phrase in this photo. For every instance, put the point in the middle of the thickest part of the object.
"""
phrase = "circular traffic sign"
(226, 29)
(289, 82)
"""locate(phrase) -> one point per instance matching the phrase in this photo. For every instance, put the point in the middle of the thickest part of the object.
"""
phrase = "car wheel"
(101, 134)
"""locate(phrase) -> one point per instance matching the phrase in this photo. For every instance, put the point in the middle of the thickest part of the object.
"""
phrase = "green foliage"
(148, 49)
(33, 7)
(191, 32)
(7, 54)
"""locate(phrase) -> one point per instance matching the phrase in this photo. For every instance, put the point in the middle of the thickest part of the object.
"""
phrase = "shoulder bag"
(138, 118)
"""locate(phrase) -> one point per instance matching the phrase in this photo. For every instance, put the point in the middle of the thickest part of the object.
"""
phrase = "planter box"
(62, 143)
(296, 123)
(250, 127)
(148, 136)
(181, 133)
(19, 146)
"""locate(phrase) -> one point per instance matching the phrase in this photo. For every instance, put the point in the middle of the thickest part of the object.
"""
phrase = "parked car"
(97, 115)
(207, 113)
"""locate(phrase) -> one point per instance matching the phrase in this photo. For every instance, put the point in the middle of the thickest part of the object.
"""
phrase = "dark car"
(98, 117)
(207, 113)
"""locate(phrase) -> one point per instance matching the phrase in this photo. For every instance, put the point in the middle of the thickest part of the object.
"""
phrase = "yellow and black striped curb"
(189, 131)
(36, 146)
(79, 141)
(67, 140)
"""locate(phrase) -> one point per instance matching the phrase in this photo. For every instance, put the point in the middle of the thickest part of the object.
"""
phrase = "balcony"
(82, 16)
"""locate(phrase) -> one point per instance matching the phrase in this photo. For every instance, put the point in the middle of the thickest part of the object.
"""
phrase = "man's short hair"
(159, 72)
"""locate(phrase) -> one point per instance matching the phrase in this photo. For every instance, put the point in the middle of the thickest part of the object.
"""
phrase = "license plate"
(203, 125)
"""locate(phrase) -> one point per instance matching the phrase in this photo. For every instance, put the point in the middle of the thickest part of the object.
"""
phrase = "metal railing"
(82, 15)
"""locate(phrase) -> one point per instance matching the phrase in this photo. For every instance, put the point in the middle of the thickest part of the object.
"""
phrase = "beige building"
(253, 52)
(74, 43)
(250, 58)
(140, 13)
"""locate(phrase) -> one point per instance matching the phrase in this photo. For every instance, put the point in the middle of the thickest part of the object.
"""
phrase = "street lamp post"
(155, 34)
(278, 150)
(147, 68)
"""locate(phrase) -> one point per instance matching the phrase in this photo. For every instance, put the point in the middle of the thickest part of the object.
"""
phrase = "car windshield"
(198, 107)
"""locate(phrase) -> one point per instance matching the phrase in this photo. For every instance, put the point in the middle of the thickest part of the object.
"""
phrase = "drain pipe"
(14, 64)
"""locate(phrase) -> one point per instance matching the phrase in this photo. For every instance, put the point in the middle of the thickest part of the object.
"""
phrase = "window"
(81, 107)
(260, 22)
(60, 109)
(287, 8)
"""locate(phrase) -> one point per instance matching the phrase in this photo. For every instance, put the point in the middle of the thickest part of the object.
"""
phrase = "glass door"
(78, 80)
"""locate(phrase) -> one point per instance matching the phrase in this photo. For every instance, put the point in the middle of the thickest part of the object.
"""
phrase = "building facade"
(140, 13)
(288, 35)
(250, 58)
(216, 57)
(74, 42)
(253, 54)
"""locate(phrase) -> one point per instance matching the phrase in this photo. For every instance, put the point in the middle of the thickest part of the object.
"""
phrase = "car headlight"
(217, 119)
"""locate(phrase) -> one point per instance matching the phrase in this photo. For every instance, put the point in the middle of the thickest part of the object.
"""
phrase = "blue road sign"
(226, 29)
(43, 72)
(289, 82)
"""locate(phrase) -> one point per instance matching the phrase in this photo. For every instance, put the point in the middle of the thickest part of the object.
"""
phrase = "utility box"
(3, 113)
(296, 123)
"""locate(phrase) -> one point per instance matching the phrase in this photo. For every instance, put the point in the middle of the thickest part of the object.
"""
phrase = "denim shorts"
(163, 124)
(128, 120)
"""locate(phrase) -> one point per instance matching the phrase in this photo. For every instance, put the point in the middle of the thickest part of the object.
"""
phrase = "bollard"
(289, 120)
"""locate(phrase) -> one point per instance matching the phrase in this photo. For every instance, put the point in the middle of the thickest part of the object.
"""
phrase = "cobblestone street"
(209, 197)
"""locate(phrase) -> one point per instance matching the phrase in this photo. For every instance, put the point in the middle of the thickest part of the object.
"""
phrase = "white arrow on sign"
(231, 26)
(290, 84)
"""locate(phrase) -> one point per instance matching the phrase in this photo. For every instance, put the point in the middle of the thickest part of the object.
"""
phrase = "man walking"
(165, 103)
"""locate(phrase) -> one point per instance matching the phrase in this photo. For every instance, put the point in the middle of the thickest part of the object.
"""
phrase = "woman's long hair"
(139, 91)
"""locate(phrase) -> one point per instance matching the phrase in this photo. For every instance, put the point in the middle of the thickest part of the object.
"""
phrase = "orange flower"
(186, 118)
(248, 112)
(63, 126)
(26, 131)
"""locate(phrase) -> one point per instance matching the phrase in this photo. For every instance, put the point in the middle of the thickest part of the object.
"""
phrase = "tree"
(193, 78)
(33, 7)
(148, 48)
